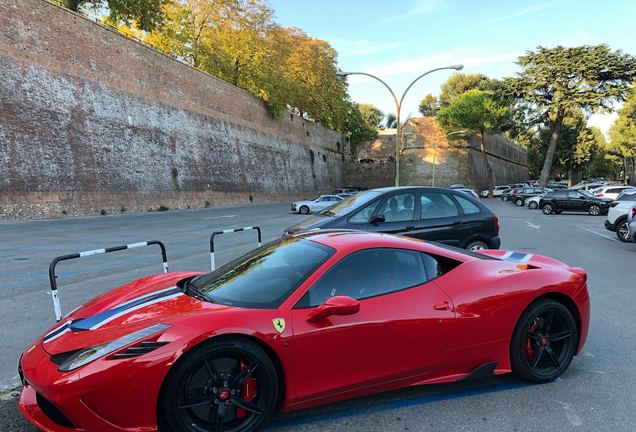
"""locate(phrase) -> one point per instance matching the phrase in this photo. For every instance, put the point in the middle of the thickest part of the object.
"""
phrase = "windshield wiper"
(194, 291)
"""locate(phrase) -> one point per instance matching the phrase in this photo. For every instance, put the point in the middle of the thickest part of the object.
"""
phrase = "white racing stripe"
(92, 252)
(136, 245)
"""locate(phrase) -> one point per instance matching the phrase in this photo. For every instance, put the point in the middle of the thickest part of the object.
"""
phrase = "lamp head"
(457, 67)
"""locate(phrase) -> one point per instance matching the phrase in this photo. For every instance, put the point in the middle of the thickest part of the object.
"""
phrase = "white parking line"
(597, 233)
(531, 225)
(219, 217)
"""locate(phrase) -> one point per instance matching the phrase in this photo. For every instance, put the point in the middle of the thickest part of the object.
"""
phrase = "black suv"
(572, 200)
(436, 214)
(520, 196)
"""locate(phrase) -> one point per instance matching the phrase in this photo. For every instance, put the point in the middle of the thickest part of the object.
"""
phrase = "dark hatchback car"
(572, 200)
(434, 214)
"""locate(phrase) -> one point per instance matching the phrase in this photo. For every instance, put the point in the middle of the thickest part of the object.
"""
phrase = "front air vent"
(58, 359)
(139, 349)
(52, 412)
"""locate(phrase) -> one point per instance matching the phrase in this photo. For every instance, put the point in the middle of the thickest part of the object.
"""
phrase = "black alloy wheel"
(594, 209)
(547, 208)
(303, 209)
(622, 231)
(223, 386)
(544, 341)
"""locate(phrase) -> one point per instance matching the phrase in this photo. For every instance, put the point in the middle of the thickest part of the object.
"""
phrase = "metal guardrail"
(228, 231)
(53, 276)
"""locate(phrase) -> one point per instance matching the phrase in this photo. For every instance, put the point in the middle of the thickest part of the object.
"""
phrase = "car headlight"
(87, 355)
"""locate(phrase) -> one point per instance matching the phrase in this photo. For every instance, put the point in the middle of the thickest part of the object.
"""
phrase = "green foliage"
(371, 115)
(460, 83)
(391, 121)
(356, 127)
(474, 111)
(145, 14)
(428, 106)
(555, 81)
(623, 131)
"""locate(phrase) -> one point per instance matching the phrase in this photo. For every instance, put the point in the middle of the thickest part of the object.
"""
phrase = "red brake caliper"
(248, 391)
(529, 350)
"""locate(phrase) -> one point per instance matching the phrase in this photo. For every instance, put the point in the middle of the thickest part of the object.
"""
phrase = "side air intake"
(138, 350)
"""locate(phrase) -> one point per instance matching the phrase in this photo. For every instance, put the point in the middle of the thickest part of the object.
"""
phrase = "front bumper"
(97, 397)
(495, 242)
(610, 226)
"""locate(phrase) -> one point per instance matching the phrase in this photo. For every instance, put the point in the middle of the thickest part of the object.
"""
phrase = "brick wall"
(92, 120)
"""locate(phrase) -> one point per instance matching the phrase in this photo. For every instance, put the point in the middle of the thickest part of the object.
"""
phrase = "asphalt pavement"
(596, 393)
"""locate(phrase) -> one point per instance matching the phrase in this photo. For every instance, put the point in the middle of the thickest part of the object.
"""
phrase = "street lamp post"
(398, 107)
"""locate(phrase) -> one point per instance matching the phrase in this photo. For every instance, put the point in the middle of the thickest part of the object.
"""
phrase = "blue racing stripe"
(88, 323)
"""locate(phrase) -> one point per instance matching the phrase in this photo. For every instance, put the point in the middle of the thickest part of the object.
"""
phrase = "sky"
(400, 39)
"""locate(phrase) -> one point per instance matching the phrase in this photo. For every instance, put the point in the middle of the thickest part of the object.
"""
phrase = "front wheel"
(544, 341)
(594, 210)
(223, 386)
(622, 231)
(519, 202)
(533, 205)
(303, 210)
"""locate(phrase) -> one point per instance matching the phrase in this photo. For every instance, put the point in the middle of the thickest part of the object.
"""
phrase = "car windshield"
(265, 277)
(350, 204)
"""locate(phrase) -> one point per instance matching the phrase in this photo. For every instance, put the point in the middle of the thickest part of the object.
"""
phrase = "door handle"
(442, 306)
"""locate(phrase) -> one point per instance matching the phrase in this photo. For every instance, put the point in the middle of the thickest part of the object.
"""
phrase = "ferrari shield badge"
(279, 324)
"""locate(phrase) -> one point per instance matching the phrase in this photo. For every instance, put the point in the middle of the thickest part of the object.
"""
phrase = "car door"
(398, 211)
(400, 331)
(576, 201)
(439, 219)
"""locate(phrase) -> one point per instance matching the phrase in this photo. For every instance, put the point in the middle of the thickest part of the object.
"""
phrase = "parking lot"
(594, 394)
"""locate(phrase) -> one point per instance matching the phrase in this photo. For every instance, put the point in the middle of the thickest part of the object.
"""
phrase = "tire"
(202, 390)
(504, 198)
(533, 205)
(544, 341)
(547, 208)
(303, 210)
(594, 209)
(622, 231)
(519, 202)
(476, 245)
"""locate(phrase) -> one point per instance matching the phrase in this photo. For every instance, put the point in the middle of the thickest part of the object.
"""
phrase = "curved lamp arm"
(455, 67)
(344, 74)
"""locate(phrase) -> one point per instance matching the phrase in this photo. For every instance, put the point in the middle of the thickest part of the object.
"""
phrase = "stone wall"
(92, 120)
(429, 158)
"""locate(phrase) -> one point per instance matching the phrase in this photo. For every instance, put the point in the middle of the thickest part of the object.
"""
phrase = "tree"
(391, 121)
(475, 112)
(459, 83)
(555, 80)
(356, 126)
(428, 106)
(623, 135)
(146, 14)
(371, 115)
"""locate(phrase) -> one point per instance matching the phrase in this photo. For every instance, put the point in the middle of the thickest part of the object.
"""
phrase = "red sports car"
(302, 321)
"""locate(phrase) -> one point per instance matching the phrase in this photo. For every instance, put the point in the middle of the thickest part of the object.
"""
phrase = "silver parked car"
(631, 220)
(317, 204)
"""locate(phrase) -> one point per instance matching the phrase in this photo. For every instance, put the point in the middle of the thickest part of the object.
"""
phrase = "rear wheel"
(519, 202)
(303, 210)
(594, 209)
(533, 205)
(544, 341)
(476, 245)
(622, 231)
(224, 386)
(547, 208)
(504, 198)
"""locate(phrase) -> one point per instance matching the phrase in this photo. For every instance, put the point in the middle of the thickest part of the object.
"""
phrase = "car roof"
(348, 241)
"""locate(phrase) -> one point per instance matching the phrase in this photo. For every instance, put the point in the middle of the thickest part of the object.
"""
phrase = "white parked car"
(610, 192)
(496, 191)
(617, 216)
(315, 205)
(533, 202)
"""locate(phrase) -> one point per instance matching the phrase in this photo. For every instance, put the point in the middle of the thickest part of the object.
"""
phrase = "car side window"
(369, 273)
(398, 208)
(467, 206)
(363, 215)
(437, 205)
(574, 194)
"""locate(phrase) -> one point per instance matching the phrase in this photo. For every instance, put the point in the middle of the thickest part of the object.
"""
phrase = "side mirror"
(377, 219)
(337, 305)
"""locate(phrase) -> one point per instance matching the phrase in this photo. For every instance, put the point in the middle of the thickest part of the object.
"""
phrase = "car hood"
(124, 310)
(312, 222)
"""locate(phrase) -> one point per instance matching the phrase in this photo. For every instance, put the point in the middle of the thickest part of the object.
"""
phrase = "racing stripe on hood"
(96, 321)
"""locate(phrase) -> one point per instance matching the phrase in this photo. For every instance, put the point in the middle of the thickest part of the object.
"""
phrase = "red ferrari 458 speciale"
(305, 320)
